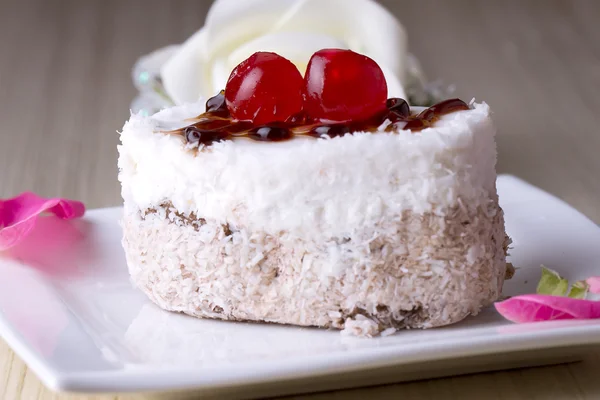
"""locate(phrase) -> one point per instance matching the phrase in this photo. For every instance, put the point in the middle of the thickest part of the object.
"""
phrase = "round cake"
(366, 231)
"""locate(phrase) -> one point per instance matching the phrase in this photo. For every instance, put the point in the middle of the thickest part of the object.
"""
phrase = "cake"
(314, 201)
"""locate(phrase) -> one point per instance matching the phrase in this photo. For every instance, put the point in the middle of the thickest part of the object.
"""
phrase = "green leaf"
(552, 283)
(579, 290)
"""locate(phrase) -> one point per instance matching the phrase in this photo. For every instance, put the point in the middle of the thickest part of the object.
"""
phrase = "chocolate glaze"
(216, 123)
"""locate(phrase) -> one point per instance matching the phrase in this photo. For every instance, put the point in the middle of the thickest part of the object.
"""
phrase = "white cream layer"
(310, 188)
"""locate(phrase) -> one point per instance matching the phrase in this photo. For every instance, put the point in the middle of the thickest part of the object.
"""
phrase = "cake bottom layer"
(429, 270)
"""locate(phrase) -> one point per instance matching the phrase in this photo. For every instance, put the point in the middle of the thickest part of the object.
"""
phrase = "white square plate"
(70, 312)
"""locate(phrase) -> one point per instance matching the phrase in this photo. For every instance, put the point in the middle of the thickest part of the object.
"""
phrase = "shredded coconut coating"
(419, 271)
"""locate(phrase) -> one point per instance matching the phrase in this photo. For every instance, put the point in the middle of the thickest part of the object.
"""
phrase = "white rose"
(295, 29)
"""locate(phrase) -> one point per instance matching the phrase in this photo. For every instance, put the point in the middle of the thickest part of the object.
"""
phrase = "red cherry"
(342, 85)
(264, 88)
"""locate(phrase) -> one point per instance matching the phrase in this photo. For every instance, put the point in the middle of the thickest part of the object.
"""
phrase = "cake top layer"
(355, 160)
(321, 188)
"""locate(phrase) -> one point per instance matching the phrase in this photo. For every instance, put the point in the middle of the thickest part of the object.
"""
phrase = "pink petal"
(594, 284)
(537, 307)
(18, 215)
(55, 246)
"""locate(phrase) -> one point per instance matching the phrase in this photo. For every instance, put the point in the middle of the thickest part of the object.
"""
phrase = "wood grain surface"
(65, 89)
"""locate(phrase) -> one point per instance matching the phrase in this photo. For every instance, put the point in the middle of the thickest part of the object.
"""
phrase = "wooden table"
(65, 89)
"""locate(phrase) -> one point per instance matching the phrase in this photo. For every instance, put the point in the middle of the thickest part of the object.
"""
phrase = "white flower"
(295, 29)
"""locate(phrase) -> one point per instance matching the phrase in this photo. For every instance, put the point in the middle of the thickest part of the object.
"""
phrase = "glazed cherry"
(341, 85)
(264, 88)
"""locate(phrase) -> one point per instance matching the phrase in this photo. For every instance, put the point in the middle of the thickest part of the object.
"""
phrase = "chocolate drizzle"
(216, 124)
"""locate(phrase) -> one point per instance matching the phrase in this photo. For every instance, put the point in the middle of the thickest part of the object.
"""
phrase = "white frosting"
(317, 188)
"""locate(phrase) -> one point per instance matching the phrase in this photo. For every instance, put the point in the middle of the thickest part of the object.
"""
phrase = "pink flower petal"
(19, 214)
(594, 284)
(537, 307)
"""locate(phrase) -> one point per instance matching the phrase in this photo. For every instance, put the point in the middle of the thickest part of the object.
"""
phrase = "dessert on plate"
(314, 200)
